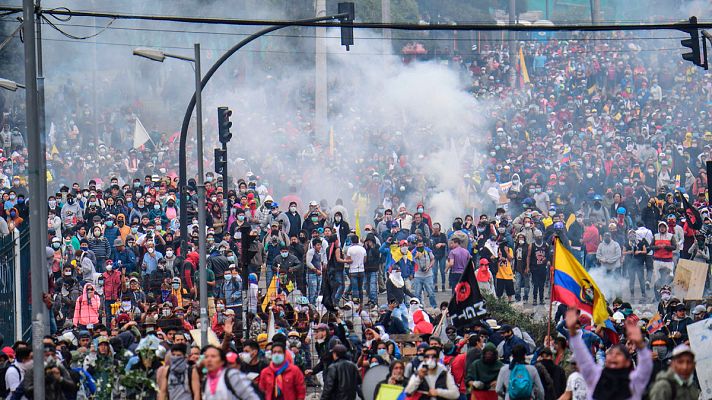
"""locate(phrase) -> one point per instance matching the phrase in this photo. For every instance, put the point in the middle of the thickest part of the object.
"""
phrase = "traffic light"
(220, 161)
(347, 30)
(224, 124)
(693, 43)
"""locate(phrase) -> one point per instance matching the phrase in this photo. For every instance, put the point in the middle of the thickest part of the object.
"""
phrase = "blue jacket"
(231, 292)
(509, 345)
(127, 258)
(406, 266)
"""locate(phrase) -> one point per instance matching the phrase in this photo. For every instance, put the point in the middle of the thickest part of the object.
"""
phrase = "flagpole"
(551, 290)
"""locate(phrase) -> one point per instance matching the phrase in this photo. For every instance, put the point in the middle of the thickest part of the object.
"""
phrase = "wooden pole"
(551, 291)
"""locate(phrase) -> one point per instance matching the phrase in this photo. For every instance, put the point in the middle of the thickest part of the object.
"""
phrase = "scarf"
(178, 367)
(614, 384)
(213, 379)
(397, 255)
(278, 379)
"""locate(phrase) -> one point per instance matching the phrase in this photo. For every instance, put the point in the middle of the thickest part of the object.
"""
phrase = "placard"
(689, 281)
(700, 334)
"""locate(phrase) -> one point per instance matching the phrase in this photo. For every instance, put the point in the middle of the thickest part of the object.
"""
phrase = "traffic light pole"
(202, 264)
(182, 154)
(225, 188)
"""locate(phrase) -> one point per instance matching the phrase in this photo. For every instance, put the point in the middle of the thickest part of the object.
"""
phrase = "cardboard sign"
(700, 334)
(689, 282)
(212, 338)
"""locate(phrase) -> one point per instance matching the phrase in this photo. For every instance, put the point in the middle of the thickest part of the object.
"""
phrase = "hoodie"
(193, 259)
(86, 311)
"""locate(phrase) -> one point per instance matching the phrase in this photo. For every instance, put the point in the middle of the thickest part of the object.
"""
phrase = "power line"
(376, 25)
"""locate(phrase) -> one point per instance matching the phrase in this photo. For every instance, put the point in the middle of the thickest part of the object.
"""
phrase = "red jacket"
(112, 285)
(458, 370)
(293, 387)
(591, 239)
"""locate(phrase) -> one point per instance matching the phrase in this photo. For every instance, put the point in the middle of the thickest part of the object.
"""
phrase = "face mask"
(240, 217)
(293, 209)
(666, 296)
(404, 249)
(373, 364)
(13, 214)
(12, 197)
(278, 359)
(268, 354)
(314, 219)
(84, 248)
(156, 206)
(245, 357)
(381, 352)
(134, 229)
(52, 203)
(166, 312)
(109, 224)
(228, 277)
(430, 364)
(337, 219)
(169, 253)
(70, 201)
(109, 267)
(67, 273)
(151, 250)
(284, 255)
(176, 286)
(528, 225)
(521, 242)
(56, 245)
(607, 240)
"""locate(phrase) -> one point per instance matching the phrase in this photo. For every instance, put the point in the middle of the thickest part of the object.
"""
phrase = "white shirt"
(13, 378)
(577, 386)
(357, 254)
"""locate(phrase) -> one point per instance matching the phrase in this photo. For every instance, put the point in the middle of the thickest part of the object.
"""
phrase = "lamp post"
(160, 56)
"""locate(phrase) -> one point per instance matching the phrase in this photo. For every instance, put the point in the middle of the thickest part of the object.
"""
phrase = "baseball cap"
(682, 349)
(699, 309)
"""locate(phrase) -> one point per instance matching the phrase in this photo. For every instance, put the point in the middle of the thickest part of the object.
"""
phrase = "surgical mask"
(528, 225)
(278, 359)
(109, 267)
(228, 277)
(166, 312)
(245, 357)
(293, 209)
(151, 250)
(97, 233)
(231, 258)
(284, 254)
(156, 206)
(134, 229)
(240, 217)
(337, 219)
(430, 364)
(373, 364)
(169, 253)
(109, 224)
(52, 203)
(56, 245)
(176, 286)
(67, 273)
(268, 354)
(666, 296)
(381, 352)
(12, 197)
(404, 249)
(420, 209)
(521, 242)
(314, 219)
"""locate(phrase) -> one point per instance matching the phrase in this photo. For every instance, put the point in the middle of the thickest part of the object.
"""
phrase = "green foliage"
(504, 313)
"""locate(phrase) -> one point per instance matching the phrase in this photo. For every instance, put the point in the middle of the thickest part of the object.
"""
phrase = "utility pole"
(387, 33)
(320, 95)
(37, 178)
(202, 264)
(513, 44)
(42, 127)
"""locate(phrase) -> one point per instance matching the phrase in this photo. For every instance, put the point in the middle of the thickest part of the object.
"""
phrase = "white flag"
(270, 327)
(140, 135)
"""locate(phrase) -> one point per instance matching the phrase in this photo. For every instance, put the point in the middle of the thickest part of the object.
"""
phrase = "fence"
(14, 290)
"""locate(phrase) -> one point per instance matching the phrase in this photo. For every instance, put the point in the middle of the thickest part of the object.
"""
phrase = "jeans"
(336, 280)
(522, 283)
(424, 283)
(268, 275)
(636, 270)
(591, 261)
(539, 280)
(371, 285)
(454, 279)
(439, 267)
(579, 254)
(313, 287)
(356, 281)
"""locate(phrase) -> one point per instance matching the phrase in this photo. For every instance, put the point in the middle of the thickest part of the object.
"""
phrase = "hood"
(418, 317)
(121, 216)
(193, 258)
(268, 198)
(86, 286)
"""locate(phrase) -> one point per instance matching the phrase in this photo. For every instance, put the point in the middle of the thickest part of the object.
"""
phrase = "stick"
(551, 291)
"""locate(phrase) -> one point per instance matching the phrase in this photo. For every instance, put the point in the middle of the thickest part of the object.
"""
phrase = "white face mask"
(169, 253)
(404, 249)
(109, 267)
(166, 312)
(151, 250)
(293, 209)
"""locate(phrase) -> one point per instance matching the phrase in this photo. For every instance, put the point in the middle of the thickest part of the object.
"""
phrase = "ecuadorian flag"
(573, 286)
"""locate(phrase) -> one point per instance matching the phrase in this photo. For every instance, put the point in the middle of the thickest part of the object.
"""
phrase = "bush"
(504, 313)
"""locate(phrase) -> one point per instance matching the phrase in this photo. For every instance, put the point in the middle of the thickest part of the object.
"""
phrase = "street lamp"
(10, 85)
(160, 56)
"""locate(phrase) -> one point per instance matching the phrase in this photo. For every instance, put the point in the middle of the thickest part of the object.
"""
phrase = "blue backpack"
(520, 383)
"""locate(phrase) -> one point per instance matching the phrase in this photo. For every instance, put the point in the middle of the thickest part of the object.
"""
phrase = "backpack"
(4, 390)
(520, 383)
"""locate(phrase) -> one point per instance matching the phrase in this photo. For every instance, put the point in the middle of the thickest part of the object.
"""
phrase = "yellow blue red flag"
(573, 286)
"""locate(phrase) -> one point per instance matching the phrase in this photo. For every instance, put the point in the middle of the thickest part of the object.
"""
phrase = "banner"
(140, 135)
(467, 304)
(700, 334)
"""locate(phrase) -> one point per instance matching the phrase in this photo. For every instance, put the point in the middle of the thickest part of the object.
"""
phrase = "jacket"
(503, 381)
(667, 386)
(86, 312)
(441, 380)
(293, 387)
(112, 284)
(341, 381)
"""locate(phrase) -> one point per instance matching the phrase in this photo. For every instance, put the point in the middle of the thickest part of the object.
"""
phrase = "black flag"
(694, 218)
(327, 294)
(467, 304)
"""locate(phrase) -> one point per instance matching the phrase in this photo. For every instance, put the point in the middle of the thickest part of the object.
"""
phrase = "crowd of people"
(603, 148)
